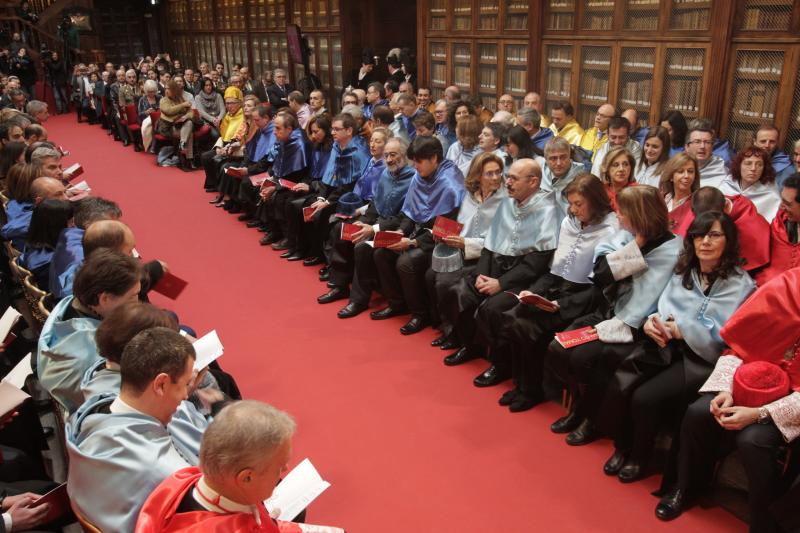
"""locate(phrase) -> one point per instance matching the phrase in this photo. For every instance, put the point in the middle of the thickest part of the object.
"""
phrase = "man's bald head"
(523, 179)
(604, 113)
(47, 189)
(111, 234)
(707, 199)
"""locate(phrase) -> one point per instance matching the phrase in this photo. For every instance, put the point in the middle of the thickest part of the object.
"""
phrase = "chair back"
(131, 115)
(33, 295)
(154, 116)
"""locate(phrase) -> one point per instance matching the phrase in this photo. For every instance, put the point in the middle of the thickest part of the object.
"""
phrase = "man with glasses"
(517, 250)
(279, 91)
(442, 131)
(700, 145)
(558, 171)
(505, 103)
(597, 135)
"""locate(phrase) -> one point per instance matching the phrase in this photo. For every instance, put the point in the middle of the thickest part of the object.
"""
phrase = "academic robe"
(230, 124)
(365, 186)
(753, 229)
(714, 172)
(19, 216)
(558, 185)
(783, 254)
(649, 174)
(462, 157)
(599, 157)
(477, 218)
(68, 252)
(781, 161)
(37, 260)
(66, 350)
(117, 459)
(764, 196)
(592, 139)
(541, 138)
(571, 131)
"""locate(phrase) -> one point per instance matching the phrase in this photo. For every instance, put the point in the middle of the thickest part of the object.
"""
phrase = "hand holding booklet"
(8, 320)
(73, 171)
(539, 301)
(258, 179)
(207, 349)
(170, 285)
(348, 231)
(386, 238)
(296, 491)
(446, 227)
(57, 499)
(576, 337)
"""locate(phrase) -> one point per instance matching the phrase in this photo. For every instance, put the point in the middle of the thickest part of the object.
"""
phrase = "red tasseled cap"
(758, 383)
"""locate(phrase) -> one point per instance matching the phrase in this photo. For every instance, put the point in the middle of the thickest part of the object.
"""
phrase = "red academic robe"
(783, 254)
(753, 229)
(773, 308)
(158, 514)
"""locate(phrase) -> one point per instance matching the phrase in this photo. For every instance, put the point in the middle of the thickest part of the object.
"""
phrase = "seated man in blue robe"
(258, 160)
(68, 252)
(120, 446)
(67, 346)
(19, 212)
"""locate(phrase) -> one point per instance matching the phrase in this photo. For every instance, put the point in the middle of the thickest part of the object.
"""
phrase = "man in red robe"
(784, 244)
(244, 452)
(753, 229)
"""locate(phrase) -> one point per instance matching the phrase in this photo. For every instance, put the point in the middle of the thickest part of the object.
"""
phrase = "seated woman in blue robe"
(20, 207)
(632, 268)
(664, 372)
(48, 220)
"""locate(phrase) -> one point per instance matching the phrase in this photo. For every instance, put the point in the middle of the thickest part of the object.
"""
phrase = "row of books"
(686, 60)
(757, 18)
(689, 2)
(682, 95)
(636, 21)
(519, 7)
(437, 24)
(600, 3)
(487, 78)
(461, 75)
(740, 135)
(596, 56)
(760, 63)
(516, 80)
(487, 22)
(560, 21)
(594, 87)
(516, 52)
(559, 54)
(461, 53)
(644, 2)
(597, 22)
(562, 3)
(693, 19)
(462, 23)
(487, 52)
(559, 83)
(517, 21)
(438, 51)
(438, 73)
(636, 92)
(639, 58)
(489, 6)
(755, 99)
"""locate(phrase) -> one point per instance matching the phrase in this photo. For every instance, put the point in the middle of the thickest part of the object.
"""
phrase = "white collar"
(213, 501)
(118, 406)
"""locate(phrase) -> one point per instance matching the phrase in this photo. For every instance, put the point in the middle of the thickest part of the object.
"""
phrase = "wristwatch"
(763, 415)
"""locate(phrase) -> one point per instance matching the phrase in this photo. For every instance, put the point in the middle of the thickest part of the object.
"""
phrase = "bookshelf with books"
(488, 15)
(438, 68)
(462, 15)
(595, 73)
(598, 15)
(516, 15)
(515, 71)
(461, 73)
(684, 81)
(636, 75)
(558, 65)
(691, 15)
(560, 15)
(765, 16)
(487, 74)
(642, 15)
(437, 15)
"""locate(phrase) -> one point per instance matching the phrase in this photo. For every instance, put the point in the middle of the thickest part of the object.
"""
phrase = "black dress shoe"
(350, 310)
(460, 357)
(415, 325)
(331, 285)
(216, 200)
(263, 229)
(490, 377)
(450, 344)
(671, 505)
(508, 397)
(234, 209)
(524, 402)
(267, 239)
(565, 424)
(632, 471)
(325, 276)
(139, 148)
(126, 142)
(615, 463)
(439, 340)
(388, 312)
(312, 261)
(583, 434)
(295, 257)
(333, 295)
(286, 254)
(244, 217)
(282, 244)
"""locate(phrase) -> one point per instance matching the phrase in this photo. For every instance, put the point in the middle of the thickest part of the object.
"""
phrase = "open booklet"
(296, 491)
(207, 349)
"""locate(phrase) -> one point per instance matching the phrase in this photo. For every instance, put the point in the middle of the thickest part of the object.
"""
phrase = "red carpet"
(407, 443)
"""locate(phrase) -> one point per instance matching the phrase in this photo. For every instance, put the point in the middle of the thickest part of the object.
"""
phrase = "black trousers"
(211, 164)
(402, 278)
(340, 255)
(365, 274)
(248, 195)
(586, 369)
(760, 446)
(437, 285)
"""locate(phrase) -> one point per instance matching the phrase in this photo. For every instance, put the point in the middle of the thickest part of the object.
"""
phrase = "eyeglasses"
(712, 235)
(701, 142)
(335, 129)
(493, 173)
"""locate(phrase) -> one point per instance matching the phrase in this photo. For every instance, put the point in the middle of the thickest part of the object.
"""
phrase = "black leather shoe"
(253, 223)
(266, 240)
(282, 244)
(333, 295)
(460, 357)
(312, 261)
(263, 229)
(126, 142)
(632, 471)
(294, 257)
(615, 463)
(331, 284)
(415, 325)
(350, 310)
(325, 276)
(244, 217)
(524, 403)
(323, 269)
(565, 424)
(216, 200)
(508, 397)
(671, 505)
(439, 340)
(450, 344)
(234, 209)
(490, 377)
(140, 148)
(388, 312)
(583, 434)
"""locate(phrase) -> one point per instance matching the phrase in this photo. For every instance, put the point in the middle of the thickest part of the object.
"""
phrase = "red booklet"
(286, 183)
(534, 299)
(259, 179)
(386, 238)
(58, 500)
(170, 286)
(348, 230)
(74, 171)
(446, 227)
(307, 212)
(576, 337)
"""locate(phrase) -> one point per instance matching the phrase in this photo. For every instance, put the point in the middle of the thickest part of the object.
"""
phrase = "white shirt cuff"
(8, 522)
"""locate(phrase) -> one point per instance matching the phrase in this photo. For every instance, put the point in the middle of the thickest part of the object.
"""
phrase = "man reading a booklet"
(244, 452)
(517, 250)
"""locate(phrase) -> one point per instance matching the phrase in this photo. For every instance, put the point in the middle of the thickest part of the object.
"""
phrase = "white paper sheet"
(81, 186)
(207, 349)
(18, 374)
(7, 322)
(296, 491)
